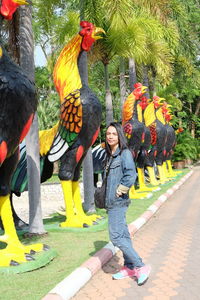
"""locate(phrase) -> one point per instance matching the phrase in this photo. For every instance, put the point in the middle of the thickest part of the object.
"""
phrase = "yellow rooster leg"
(72, 219)
(170, 170)
(134, 195)
(142, 185)
(162, 175)
(78, 205)
(15, 252)
(152, 176)
(166, 171)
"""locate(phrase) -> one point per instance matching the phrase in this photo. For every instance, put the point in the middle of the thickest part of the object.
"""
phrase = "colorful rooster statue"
(143, 159)
(148, 159)
(157, 153)
(69, 140)
(18, 105)
(133, 126)
(79, 125)
(132, 119)
(171, 139)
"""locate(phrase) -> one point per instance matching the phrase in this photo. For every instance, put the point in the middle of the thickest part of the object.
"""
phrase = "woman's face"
(112, 137)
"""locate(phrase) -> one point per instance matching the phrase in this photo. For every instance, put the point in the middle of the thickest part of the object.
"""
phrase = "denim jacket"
(122, 172)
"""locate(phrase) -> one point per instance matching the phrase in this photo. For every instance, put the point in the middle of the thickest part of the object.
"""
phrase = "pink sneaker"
(124, 273)
(142, 274)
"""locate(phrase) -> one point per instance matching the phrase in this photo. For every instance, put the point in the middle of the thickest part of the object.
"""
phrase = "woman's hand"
(121, 189)
(118, 193)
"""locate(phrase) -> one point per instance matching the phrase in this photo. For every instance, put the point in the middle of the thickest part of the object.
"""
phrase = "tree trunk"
(13, 41)
(193, 126)
(88, 183)
(146, 81)
(32, 139)
(88, 179)
(132, 74)
(122, 82)
(152, 86)
(109, 106)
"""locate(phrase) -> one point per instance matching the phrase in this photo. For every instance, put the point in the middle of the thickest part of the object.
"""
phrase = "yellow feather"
(159, 116)
(128, 108)
(149, 115)
(66, 75)
(139, 112)
(46, 138)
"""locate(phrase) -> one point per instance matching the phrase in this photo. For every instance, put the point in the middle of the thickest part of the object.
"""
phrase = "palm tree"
(114, 18)
(32, 140)
(88, 179)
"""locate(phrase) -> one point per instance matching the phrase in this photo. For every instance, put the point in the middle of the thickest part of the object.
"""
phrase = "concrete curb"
(68, 287)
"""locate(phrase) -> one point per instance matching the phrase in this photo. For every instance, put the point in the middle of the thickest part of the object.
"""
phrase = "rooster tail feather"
(99, 157)
(59, 147)
(19, 181)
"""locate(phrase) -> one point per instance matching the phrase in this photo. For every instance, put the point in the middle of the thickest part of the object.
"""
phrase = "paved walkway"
(170, 242)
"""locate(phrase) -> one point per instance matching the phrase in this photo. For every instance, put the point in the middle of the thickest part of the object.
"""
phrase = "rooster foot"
(11, 259)
(92, 219)
(133, 194)
(75, 221)
(147, 189)
(15, 254)
(96, 217)
(155, 182)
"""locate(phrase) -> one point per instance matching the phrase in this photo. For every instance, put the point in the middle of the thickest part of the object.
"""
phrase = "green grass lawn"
(73, 248)
(53, 179)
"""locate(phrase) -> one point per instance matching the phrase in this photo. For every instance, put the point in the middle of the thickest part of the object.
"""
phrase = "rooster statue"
(170, 141)
(148, 159)
(18, 105)
(133, 127)
(142, 159)
(159, 135)
(78, 128)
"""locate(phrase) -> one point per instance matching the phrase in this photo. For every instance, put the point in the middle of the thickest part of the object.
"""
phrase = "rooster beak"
(97, 30)
(1, 52)
(160, 101)
(23, 2)
(144, 89)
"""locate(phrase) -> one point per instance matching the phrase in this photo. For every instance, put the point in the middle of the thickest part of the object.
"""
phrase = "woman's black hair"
(121, 138)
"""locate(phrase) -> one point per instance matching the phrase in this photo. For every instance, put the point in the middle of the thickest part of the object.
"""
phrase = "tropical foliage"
(160, 37)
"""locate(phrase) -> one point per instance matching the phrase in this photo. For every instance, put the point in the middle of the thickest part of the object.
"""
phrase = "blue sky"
(39, 57)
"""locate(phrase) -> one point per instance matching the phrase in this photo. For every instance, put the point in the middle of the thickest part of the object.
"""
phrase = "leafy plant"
(187, 147)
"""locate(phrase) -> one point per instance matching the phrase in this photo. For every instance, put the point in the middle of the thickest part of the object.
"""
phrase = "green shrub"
(187, 147)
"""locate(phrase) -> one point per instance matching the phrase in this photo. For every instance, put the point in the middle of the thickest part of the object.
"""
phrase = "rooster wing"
(69, 126)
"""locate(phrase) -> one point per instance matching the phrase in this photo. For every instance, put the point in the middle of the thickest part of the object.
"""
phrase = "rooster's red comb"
(137, 85)
(85, 24)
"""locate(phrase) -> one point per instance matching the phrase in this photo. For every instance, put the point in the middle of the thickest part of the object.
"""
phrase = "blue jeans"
(120, 237)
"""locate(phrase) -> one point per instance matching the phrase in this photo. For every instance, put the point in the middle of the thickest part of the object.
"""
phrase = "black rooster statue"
(143, 159)
(134, 127)
(159, 135)
(170, 141)
(69, 140)
(18, 104)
